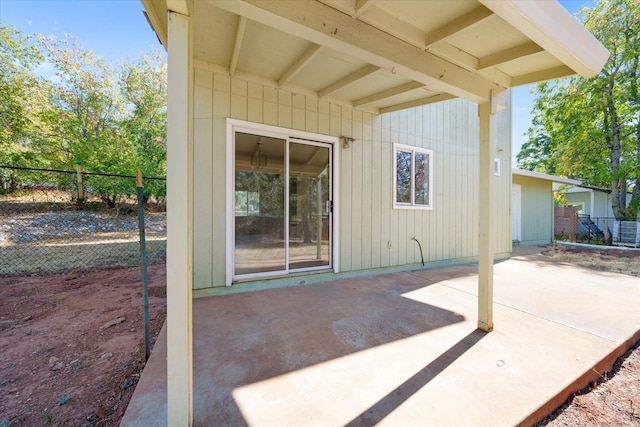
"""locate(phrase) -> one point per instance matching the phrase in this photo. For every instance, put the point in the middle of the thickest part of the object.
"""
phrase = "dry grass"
(613, 260)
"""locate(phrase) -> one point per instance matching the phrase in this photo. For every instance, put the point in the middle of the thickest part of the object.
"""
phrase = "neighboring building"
(309, 140)
(532, 206)
(592, 201)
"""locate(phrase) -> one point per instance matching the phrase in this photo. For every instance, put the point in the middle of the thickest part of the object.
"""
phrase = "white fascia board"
(544, 176)
(178, 6)
(549, 25)
(157, 19)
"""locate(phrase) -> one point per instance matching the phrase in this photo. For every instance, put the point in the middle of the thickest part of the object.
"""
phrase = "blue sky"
(113, 28)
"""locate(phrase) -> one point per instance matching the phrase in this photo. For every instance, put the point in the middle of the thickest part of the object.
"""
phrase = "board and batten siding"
(373, 235)
(536, 210)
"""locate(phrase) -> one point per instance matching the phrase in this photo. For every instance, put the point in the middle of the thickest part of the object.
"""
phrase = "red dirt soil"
(72, 345)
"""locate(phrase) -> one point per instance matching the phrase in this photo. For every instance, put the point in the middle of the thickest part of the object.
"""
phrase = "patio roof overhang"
(373, 55)
(382, 56)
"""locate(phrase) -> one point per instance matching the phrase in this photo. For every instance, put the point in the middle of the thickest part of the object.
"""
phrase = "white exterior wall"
(368, 221)
(536, 210)
(601, 201)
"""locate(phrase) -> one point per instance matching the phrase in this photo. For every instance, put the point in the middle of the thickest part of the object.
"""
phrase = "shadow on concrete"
(404, 391)
(244, 339)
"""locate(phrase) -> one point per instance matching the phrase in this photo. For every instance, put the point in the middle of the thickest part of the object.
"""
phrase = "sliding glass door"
(282, 220)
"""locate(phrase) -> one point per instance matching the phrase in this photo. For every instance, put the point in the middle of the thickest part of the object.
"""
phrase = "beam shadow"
(404, 391)
(273, 333)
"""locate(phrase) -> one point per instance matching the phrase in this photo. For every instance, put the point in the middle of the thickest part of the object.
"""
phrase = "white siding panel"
(386, 194)
(218, 193)
(239, 99)
(536, 210)
(254, 102)
(202, 203)
(202, 101)
(356, 196)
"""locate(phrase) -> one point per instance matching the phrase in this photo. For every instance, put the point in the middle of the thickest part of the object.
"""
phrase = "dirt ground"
(72, 348)
(72, 345)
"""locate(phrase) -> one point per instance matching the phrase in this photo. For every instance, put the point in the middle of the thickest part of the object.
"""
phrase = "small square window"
(412, 169)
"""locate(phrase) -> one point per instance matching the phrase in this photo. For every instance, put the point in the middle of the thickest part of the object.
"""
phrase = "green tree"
(18, 85)
(143, 86)
(589, 129)
(108, 119)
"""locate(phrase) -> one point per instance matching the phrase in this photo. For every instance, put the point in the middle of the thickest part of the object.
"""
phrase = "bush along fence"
(56, 221)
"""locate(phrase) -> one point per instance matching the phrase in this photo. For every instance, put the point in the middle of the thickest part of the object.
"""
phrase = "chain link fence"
(54, 221)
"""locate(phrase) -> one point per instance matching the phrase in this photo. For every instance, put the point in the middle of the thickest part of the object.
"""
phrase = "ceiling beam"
(379, 18)
(237, 47)
(326, 26)
(349, 80)
(550, 26)
(540, 76)
(361, 7)
(453, 27)
(300, 63)
(398, 90)
(417, 103)
(507, 55)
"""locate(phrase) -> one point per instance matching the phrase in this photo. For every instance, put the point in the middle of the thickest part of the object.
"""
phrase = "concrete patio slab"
(401, 349)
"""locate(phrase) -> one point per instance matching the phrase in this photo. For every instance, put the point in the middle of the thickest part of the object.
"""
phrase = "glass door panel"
(260, 235)
(309, 208)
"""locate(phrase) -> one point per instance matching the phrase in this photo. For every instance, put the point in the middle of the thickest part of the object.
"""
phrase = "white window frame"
(413, 150)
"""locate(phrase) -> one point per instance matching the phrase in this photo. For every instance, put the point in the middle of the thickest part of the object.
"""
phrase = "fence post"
(143, 264)
(79, 178)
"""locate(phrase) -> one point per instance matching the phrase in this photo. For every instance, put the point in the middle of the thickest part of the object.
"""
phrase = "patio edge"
(590, 376)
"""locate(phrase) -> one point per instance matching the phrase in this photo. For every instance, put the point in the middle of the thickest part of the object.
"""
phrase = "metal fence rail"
(599, 230)
(47, 228)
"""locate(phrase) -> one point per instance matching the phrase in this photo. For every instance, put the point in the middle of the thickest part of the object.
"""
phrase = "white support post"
(179, 222)
(486, 241)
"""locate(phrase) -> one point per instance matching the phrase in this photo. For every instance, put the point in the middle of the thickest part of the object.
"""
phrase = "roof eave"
(549, 25)
(544, 176)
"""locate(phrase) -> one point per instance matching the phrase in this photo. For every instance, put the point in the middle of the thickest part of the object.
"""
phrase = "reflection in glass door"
(259, 204)
(309, 205)
(282, 205)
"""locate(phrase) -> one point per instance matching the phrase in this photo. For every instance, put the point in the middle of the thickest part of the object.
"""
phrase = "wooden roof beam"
(328, 27)
(398, 90)
(453, 27)
(237, 47)
(417, 103)
(349, 80)
(300, 63)
(507, 55)
(540, 76)
(361, 7)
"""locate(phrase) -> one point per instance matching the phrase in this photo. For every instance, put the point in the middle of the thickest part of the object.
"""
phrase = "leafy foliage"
(18, 86)
(589, 129)
(108, 118)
